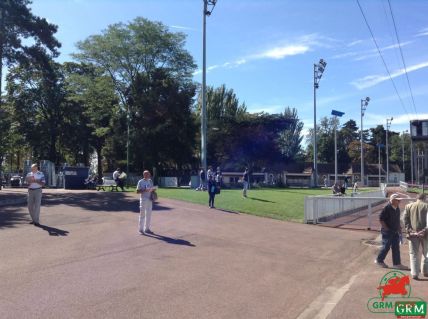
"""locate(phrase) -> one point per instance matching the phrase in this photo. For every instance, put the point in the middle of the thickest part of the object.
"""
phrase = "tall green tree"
(224, 112)
(36, 94)
(93, 93)
(289, 140)
(17, 26)
(131, 52)
(164, 128)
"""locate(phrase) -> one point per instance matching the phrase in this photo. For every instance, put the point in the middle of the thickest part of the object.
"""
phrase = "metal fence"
(320, 209)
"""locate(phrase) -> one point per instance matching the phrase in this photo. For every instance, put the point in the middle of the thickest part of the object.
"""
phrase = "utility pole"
(388, 125)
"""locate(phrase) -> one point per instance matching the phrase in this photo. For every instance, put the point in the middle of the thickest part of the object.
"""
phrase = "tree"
(164, 129)
(18, 23)
(223, 113)
(134, 53)
(92, 92)
(37, 96)
(289, 141)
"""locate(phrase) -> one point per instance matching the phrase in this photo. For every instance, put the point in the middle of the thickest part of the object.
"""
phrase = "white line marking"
(324, 304)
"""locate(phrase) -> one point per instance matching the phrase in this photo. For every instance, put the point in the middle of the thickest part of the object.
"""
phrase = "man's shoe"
(148, 231)
(381, 264)
(400, 267)
(141, 232)
(415, 277)
(31, 223)
(36, 224)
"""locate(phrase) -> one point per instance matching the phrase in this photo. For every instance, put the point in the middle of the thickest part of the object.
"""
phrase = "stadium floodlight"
(318, 71)
(335, 114)
(364, 104)
(388, 125)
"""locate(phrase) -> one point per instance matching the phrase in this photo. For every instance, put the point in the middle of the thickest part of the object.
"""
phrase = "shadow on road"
(9, 216)
(53, 231)
(96, 201)
(169, 240)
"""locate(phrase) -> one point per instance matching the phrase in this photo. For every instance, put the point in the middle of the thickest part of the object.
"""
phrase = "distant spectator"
(246, 182)
(201, 180)
(345, 182)
(119, 177)
(212, 189)
(336, 189)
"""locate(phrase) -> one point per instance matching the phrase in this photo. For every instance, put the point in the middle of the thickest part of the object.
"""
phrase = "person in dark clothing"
(391, 229)
(211, 191)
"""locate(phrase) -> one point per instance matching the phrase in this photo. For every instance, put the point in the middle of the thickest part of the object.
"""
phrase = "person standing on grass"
(415, 223)
(35, 180)
(391, 229)
(245, 181)
(212, 188)
(145, 188)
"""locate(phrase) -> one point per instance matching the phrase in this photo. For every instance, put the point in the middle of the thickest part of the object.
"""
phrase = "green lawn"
(283, 204)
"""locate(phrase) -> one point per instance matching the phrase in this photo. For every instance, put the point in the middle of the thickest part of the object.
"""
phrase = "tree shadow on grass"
(53, 231)
(169, 240)
(261, 200)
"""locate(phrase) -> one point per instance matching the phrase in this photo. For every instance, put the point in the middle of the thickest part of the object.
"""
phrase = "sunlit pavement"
(87, 260)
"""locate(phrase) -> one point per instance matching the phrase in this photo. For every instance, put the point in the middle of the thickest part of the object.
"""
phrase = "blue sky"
(265, 50)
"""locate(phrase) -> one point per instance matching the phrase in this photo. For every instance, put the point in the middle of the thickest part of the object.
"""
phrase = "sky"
(265, 50)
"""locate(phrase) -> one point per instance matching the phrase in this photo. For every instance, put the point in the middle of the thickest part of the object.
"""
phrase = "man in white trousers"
(415, 223)
(145, 188)
(35, 180)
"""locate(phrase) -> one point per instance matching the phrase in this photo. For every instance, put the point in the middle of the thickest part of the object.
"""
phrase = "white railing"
(322, 208)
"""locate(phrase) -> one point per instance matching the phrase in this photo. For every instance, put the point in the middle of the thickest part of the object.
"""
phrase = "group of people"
(416, 231)
(215, 181)
(213, 184)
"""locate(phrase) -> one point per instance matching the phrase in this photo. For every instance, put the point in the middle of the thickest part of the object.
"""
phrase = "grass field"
(283, 204)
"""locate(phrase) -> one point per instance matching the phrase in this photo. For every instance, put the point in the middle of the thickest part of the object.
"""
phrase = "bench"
(107, 183)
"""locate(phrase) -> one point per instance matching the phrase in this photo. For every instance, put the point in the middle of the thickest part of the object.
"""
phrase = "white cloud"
(363, 55)
(353, 43)
(372, 80)
(181, 27)
(282, 52)
(297, 47)
(422, 33)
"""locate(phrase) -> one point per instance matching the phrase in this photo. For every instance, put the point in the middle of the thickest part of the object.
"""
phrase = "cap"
(394, 196)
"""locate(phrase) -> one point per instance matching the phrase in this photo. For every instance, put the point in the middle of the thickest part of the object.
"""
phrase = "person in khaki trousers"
(35, 180)
(415, 223)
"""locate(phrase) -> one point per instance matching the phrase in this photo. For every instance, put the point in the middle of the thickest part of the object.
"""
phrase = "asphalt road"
(87, 260)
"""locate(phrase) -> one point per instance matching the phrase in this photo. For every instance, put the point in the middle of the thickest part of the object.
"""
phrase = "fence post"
(370, 215)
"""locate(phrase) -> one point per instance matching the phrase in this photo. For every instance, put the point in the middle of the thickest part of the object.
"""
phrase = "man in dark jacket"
(391, 229)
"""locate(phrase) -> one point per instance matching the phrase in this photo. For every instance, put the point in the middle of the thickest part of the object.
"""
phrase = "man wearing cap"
(35, 180)
(391, 229)
(415, 223)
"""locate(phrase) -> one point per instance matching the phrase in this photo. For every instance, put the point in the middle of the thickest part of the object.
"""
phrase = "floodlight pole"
(205, 13)
(318, 71)
(388, 125)
(364, 104)
(335, 114)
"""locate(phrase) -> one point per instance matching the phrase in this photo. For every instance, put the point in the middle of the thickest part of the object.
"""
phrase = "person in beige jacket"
(415, 223)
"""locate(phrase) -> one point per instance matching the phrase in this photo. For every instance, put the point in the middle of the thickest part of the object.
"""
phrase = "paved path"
(88, 261)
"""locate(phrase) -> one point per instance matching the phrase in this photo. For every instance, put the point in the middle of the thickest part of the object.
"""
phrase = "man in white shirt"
(35, 180)
(145, 188)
